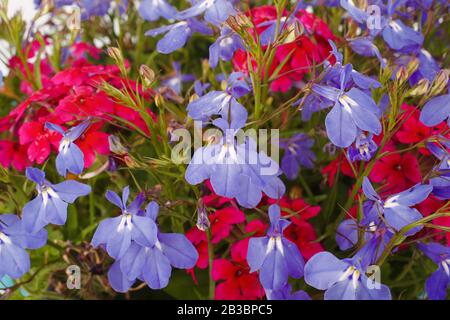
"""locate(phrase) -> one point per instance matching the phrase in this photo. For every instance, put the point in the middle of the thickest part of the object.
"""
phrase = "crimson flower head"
(235, 280)
(397, 172)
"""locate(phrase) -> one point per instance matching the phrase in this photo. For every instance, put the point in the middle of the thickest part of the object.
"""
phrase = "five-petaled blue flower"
(274, 256)
(397, 35)
(343, 279)
(352, 110)
(14, 239)
(70, 157)
(153, 264)
(363, 149)
(117, 234)
(223, 103)
(236, 169)
(396, 209)
(216, 11)
(177, 34)
(297, 153)
(224, 46)
(437, 284)
(50, 205)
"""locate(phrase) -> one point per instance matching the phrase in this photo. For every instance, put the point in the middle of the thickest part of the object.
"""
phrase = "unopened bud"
(159, 100)
(412, 66)
(114, 53)
(203, 223)
(420, 88)
(402, 74)
(115, 146)
(147, 75)
(439, 83)
(130, 162)
(233, 24)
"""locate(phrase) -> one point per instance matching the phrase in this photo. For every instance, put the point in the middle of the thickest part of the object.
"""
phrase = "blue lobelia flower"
(396, 209)
(363, 149)
(352, 110)
(286, 294)
(153, 264)
(70, 157)
(216, 11)
(376, 234)
(343, 279)
(175, 82)
(152, 10)
(236, 169)
(50, 205)
(177, 34)
(365, 47)
(200, 87)
(274, 256)
(117, 234)
(437, 284)
(1, 79)
(14, 239)
(436, 110)
(395, 33)
(224, 46)
(297, 153)
(223, 103)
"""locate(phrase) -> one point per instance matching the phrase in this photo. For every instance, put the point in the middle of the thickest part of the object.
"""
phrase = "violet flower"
(438, 282)
(274, 256)
(14, 239)
(343, 279)
(70, 157)
(177, 34)
(297, 153)
(50, 205)
(117, 234)
(153, 264)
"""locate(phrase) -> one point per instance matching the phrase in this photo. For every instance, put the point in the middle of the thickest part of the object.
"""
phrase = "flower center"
(352, 273)
(275, 243)
(445, 265)
(4, 238)
(125, 223)
(64, 145)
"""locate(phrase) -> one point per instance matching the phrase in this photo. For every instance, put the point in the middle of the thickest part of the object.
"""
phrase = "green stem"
(212, 284)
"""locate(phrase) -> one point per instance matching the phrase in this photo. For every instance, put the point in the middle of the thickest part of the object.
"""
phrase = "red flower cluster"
(305, 51)
(66, 98)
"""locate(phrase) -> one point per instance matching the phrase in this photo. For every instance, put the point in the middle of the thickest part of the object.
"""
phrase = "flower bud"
(420, 88)
(115, 146)
(402, 74)
(147, 75)
(203, 223)
(412, 66)
(439, 83)
(115, 54)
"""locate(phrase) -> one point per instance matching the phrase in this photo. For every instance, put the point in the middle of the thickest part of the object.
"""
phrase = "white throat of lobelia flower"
(64, 145)
(125, 222)
(275, 243)
(446, 265)
(47, 193)
(353, 273)
(4, 238)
